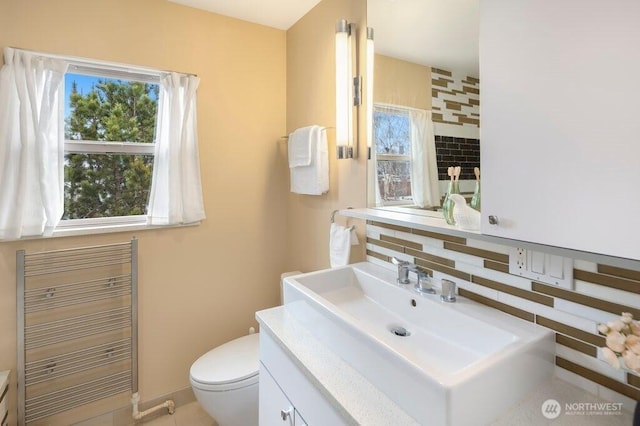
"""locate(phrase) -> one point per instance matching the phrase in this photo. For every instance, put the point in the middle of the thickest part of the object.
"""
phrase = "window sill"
(108, 229)
(79, 230)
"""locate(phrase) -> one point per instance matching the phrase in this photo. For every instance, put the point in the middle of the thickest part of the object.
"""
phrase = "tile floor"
(190, 414)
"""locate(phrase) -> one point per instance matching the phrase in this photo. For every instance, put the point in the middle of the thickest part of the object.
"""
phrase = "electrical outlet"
(521, 259)
(541, 266)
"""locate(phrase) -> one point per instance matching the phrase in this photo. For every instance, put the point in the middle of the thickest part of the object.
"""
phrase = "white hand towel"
(339, 245)
(299, 147)
(314, 178)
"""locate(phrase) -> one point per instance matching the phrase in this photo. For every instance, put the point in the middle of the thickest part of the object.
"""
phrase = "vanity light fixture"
(369, 71)
(347, 90)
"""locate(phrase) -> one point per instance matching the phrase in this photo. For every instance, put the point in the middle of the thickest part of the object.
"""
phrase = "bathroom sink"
(459, 363)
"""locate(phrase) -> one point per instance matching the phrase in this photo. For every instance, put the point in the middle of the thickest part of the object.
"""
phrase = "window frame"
(73, 146)
(398, 110)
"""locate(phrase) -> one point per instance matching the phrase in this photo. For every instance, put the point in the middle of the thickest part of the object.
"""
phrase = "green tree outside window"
(107, 110)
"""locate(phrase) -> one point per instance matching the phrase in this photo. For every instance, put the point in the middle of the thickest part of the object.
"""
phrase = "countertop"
(595, 411)
(362, 403)
(359, 402)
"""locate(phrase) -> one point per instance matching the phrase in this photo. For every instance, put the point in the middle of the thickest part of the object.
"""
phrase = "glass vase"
(448, 204)
(475, 200)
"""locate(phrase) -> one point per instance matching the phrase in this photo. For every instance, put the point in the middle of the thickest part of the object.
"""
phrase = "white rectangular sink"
(459, 363)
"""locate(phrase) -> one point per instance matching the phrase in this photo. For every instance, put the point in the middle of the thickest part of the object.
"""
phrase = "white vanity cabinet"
(275, 407)
(560, 147)
(287, 396)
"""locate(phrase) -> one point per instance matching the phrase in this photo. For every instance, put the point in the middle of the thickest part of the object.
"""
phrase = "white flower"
(603, 329)
(610, 357)
(616, 325)
(626, 318)
(635, 328)
(615, 341)
(633, 343)
(631, 360)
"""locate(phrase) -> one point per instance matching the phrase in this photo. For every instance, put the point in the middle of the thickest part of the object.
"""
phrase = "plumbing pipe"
(137, 415)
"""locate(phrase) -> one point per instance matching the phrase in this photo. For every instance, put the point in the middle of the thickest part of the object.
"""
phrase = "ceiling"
(280, 14)
(439, 33)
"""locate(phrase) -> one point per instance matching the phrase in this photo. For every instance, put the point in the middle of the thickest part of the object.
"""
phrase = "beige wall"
(399, 82)
(311, 100)
(199, 286)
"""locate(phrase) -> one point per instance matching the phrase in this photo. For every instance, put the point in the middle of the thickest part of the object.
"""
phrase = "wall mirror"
(426, 102)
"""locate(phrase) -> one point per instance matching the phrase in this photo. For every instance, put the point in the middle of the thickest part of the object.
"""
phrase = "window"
(392, 135)
(110, 124)
(114, 147)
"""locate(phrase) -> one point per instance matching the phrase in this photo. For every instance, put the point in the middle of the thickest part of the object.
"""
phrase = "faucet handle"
(399, 262)
(423, 285)
(403, 270)
(448, 291)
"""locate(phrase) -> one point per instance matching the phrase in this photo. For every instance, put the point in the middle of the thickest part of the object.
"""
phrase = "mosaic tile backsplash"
(455, 99)
(481, 271)
(452, 151)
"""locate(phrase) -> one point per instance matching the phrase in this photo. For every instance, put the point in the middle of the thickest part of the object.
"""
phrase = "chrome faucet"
(423, 285)
(403, 269)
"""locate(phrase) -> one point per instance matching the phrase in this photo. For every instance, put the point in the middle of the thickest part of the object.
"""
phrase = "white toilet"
(225, 379)
(225, 382)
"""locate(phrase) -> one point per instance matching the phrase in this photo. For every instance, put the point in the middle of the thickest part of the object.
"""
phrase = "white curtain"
(424, 168)
(372, 169)
(31, 144)
(176, 190)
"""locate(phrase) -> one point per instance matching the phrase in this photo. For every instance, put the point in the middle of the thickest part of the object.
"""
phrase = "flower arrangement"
(623, 342)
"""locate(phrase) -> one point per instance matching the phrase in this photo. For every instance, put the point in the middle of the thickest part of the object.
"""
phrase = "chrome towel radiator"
(77, 327)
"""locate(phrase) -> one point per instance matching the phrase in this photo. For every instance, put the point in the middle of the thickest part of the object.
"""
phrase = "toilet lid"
(231, 362)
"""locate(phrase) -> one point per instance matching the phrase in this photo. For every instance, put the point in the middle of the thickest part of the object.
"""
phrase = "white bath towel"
(340, 241)
(299, 147)
(313, 179)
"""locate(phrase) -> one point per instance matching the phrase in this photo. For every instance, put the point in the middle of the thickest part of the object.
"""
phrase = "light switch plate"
(537, 262)
(542, 267)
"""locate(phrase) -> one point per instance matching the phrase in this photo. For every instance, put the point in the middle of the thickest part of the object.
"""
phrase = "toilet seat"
(233, 365)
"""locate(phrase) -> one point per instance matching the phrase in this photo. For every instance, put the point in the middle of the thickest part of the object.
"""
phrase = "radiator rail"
(77, 327)
(44, 298)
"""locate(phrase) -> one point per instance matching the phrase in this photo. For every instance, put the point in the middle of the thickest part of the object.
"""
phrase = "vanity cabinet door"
(299, 420)
(286, 383)
(275, 409)
(560, 147)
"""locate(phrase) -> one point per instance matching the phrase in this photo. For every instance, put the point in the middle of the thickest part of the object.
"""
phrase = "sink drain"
(400, 331)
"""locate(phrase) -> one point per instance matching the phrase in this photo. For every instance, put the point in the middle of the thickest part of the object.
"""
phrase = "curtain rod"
(107, 64)
(399, 107)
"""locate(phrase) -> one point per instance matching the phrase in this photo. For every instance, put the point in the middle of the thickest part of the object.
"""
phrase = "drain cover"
(400, 331)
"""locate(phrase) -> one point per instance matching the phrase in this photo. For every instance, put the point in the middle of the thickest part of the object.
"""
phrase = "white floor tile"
(192, 414)
(164, 420)
(105, 420)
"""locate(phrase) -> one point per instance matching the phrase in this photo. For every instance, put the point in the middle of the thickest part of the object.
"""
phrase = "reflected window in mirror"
(392, 139)
(404, 157)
